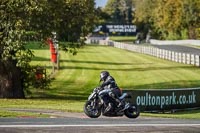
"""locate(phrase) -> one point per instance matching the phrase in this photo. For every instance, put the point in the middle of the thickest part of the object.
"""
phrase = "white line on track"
(101, 125)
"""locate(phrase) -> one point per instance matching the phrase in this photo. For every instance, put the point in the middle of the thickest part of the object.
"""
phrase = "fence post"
(180, 57)
(170, 55)
(183, 58)
(188, 59)
(154, 51)
(198, 60)
(192, 59)
(166, 54)
(176, 58)
(163, 54)
(160, 53)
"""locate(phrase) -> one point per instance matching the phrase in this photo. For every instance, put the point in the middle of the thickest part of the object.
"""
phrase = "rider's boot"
(108, 108)
(117, 101)
(119, 104)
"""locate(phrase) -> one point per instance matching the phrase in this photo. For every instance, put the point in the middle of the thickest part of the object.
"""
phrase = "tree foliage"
(71, 19)
(14, 57)
(119, 10)
(169, 19)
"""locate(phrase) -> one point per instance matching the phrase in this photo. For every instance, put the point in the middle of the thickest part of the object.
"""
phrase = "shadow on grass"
(82, 95)
(62, 91)
(76, 67)
(97, 62)
(127, 69)
(72, 96)
(36, 58)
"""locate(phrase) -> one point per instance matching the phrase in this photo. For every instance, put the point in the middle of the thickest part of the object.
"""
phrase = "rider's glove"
(97, 89)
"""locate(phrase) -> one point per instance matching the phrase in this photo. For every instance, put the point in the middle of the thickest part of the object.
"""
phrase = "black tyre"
(89, 111)
(132, 112)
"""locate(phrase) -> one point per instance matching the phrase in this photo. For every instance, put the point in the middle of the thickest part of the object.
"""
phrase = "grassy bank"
(79, 74)
(123, 38)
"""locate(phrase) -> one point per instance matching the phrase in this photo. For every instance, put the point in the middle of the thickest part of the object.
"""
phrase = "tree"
(191, 18)
(169, 19)
(14, 57)
(70, 19)
(143, 15)
(119, 10)
(103, 17)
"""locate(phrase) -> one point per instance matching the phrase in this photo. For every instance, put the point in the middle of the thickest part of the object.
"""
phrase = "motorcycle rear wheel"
(132, 112)
(89, 111)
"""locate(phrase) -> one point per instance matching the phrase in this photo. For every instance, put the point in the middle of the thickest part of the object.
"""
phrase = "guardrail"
(179, 57)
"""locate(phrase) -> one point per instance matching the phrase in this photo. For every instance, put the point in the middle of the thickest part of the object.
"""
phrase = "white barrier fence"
(160, 53)
(175, 42)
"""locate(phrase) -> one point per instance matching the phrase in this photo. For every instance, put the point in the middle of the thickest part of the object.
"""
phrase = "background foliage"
(164, 19)
(25, 20)
(169, 19)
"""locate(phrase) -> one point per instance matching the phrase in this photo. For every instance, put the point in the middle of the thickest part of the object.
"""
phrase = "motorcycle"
(95, 106)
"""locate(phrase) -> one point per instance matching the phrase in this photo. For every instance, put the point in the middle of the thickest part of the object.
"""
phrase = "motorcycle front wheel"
(132, 111)
(91, 111)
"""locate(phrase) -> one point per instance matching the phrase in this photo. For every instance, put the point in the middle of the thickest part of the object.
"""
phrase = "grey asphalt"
(97, 121)
(80, 123)
(138, 129)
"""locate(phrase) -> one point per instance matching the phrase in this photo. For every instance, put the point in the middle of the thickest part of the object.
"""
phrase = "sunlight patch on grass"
(21, 114)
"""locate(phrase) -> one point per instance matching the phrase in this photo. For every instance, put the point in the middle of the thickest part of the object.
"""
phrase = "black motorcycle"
(95, 106)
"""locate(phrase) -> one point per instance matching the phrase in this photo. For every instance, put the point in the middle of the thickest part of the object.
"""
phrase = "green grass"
(194, 114)
(6, 113)
(52, 104)
(123, 38)
(79, 74)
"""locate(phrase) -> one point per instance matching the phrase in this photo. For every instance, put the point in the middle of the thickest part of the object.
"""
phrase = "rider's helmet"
(104, 75)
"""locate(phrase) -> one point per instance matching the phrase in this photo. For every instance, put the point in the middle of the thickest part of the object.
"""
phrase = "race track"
(82, 124)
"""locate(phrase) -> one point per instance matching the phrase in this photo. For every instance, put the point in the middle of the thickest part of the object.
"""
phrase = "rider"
(110, 85)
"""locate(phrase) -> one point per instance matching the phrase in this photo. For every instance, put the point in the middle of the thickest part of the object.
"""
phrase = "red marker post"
(53, 51)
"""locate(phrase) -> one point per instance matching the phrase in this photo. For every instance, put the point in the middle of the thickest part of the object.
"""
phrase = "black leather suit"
(110, 87)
